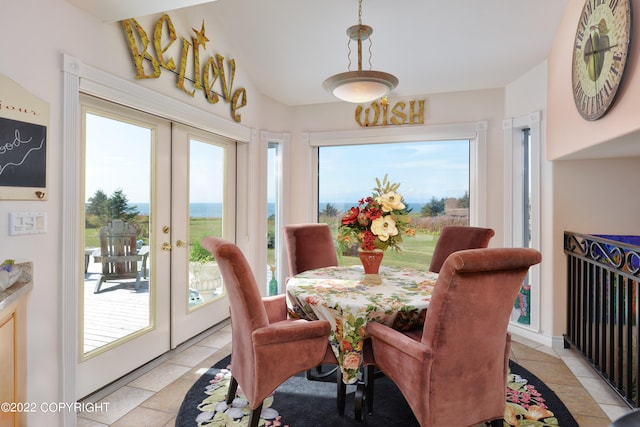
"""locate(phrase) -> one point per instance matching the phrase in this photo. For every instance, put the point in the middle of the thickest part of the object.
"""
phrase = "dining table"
(341, 296)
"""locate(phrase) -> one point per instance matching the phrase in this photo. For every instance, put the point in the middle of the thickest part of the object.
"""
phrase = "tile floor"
(152, 396)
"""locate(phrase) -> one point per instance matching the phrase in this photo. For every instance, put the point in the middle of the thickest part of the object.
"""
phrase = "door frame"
(79, 77)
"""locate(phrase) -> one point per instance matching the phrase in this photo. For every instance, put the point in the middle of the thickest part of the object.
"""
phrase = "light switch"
(27, 223)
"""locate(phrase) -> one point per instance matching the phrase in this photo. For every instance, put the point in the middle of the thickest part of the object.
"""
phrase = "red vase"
(371, 262)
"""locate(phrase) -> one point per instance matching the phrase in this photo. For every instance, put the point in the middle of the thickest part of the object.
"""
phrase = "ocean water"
(200, 210)
(214, 210)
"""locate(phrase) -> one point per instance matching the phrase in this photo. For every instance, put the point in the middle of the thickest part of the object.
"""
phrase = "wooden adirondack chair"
(119, 253)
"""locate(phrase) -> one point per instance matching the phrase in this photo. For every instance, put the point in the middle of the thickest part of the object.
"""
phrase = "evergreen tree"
(463, 202)
(329, 210)
(120, 208)
(435, 207)
(98, 205)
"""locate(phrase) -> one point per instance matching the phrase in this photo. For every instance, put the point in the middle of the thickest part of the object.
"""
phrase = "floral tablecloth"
(336, 294)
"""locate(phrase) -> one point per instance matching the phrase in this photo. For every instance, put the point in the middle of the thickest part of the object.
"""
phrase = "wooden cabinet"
(13, 344)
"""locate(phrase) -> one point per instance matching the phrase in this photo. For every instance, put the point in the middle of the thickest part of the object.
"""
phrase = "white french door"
(203, 204)
(173, 185)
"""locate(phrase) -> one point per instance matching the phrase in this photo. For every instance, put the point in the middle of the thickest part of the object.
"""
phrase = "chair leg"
(359, 401)
(233, 387)
(341, 392)
(369, 377)
(254, 419)
(98, 284)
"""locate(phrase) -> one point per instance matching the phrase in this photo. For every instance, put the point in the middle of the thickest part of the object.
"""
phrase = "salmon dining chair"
(456, 238)
(309, 246)
(455, 373)
(262, 332)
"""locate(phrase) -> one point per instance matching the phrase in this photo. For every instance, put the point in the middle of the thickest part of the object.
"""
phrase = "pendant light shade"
(362, 85)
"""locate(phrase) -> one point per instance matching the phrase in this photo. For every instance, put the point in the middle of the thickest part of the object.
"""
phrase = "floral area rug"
(303, 403)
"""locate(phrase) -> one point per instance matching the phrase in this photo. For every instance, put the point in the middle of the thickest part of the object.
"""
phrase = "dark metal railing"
(602, 311)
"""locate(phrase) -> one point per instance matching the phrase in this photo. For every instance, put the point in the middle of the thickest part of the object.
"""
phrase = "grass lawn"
(417, 251)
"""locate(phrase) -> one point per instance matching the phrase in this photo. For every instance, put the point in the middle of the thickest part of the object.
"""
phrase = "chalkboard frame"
(24, 143)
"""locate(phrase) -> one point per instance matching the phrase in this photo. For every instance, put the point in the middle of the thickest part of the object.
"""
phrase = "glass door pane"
(117, 191)
(123, 303)
(206, 207)
(202, 204)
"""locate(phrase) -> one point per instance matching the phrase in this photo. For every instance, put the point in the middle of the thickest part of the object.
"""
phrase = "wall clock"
(600, 54)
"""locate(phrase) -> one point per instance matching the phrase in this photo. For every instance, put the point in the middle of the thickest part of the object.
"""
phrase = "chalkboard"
(23, 154)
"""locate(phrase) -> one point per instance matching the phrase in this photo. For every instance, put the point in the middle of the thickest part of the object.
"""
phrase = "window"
(434, 179)
(274, 258)
(522, 207)
(274, 216)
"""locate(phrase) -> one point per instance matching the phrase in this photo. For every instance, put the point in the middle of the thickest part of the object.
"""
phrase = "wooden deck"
(116, 312)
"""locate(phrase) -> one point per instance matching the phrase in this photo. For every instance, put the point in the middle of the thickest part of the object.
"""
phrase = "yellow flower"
(384, 227)
(390, 201)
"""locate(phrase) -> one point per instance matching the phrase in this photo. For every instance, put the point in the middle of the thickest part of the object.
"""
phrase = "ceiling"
(289, 47)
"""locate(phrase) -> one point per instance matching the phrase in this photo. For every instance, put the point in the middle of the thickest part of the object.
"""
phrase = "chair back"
(247, 309)
(457, 238)
(466, 327)
(119, 249)
(309, 246)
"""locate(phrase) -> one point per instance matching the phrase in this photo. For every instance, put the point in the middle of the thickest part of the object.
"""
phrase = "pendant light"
(362, 85)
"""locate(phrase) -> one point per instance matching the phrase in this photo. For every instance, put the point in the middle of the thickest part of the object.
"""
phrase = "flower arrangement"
(378, 221)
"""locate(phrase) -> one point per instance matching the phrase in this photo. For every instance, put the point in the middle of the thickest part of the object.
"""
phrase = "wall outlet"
(27, 223)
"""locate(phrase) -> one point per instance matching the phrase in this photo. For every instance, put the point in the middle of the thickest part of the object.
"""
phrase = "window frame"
(282, 143)
(513, 208)
(474, 132)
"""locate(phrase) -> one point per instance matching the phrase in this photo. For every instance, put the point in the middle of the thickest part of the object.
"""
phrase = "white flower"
(390, 201)
(384, 227)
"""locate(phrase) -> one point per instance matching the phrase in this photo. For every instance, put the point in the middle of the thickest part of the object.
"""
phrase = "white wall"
(596, 193)
(444, 108)
(524, 96)
(32, 48)
(568, 131)
(36, 34)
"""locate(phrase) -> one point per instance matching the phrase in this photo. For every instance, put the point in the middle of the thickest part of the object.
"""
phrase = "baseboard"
(553, 342)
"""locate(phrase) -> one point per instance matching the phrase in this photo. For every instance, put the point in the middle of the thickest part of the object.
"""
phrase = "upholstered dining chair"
(262, 333)
(456, 238)
(455, 373)
(309, 246)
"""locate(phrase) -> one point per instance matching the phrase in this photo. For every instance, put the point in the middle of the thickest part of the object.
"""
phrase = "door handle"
(166, 246)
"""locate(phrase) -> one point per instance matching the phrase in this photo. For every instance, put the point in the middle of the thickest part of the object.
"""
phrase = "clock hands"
(594, 51)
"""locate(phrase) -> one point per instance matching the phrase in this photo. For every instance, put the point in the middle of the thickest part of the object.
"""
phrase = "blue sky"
(118, 156)
(424, 170)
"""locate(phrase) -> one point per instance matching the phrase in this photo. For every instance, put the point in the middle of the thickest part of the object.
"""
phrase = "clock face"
(600, 55)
